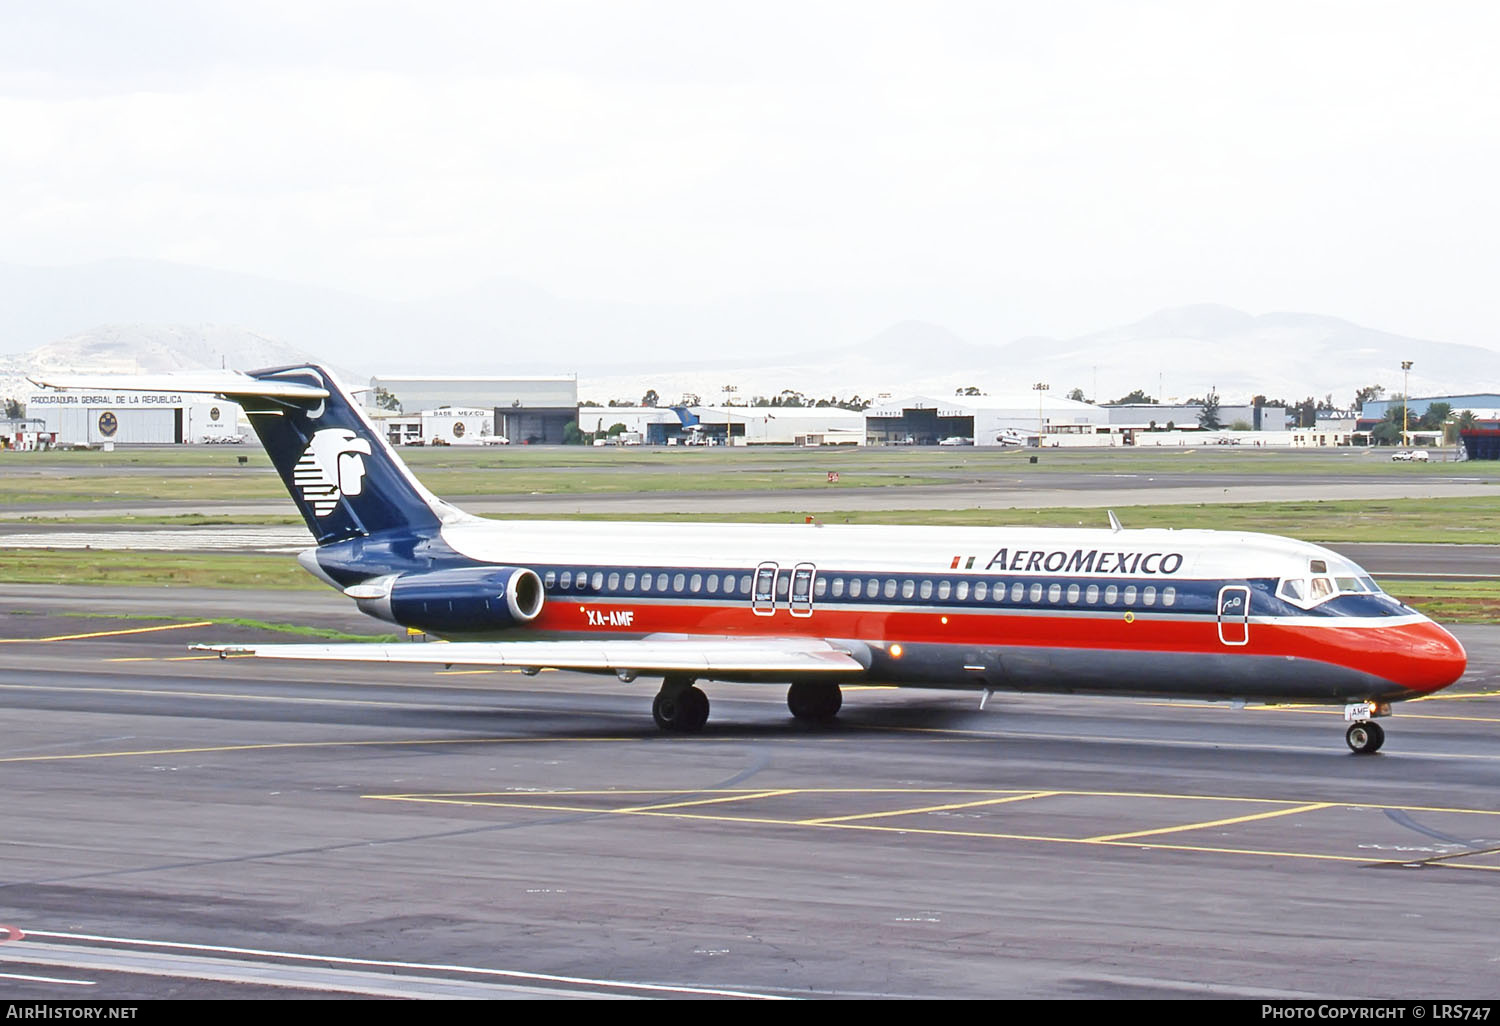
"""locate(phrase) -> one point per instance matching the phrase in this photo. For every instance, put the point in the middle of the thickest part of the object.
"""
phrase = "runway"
(180, 826)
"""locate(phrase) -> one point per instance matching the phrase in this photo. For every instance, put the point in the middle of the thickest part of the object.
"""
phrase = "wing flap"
(705, 656)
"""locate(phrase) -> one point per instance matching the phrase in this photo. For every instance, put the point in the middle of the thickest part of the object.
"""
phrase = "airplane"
(1201, 614)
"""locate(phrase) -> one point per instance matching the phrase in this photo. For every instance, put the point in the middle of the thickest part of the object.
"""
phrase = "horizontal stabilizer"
(229, 384)
(646, 656)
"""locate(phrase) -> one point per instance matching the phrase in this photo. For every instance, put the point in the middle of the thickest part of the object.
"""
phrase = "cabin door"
(1234, 614)
(802, 589)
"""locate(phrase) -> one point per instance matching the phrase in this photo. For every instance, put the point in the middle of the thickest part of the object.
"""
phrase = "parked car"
(1410, 455)
(957, 440)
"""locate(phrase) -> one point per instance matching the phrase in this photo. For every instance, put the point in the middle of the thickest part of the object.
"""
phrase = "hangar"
(982, 420)
(103, 418)
(527, 410)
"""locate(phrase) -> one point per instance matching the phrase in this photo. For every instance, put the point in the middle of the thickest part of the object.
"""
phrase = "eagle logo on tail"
(330, 468)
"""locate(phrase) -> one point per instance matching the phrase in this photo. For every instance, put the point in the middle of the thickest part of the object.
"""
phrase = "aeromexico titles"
(1185, 614)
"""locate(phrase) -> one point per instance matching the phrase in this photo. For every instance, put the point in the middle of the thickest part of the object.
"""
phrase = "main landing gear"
(679, 706)
(814, 701)
(1364, 735)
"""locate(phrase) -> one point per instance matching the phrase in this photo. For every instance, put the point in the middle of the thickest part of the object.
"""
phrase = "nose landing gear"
(1365, 736)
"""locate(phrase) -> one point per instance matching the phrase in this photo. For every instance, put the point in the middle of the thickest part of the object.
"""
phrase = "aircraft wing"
(707, 657)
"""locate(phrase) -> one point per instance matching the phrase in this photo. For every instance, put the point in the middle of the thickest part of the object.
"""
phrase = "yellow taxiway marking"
(1213, 822)
(572, 802)
(926, 808)
(108, 634)
(153, 693)
(307, 744)
(710, 801)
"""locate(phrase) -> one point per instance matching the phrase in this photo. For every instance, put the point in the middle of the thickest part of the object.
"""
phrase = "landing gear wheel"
(814, 701)
(1365, 738)
(683, 711)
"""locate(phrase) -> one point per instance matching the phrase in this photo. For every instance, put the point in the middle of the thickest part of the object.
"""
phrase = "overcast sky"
(1004, 168)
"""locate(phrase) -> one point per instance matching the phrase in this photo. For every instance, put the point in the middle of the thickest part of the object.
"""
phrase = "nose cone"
(1437, 658)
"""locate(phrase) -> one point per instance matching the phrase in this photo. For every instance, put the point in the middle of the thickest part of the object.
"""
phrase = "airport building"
(649, 425)
(106, 418)
(983, 420)
(526, 410)
(727, 425)
(780, 425)
(1378, 409)
(1184, 417)
(449, 425)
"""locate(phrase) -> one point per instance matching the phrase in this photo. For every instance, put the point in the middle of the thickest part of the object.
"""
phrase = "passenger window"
(961, 591)
(630, 581)
(661, 582)
(1168, 595)
(1129, 595)
(945, 588)
(1036, 593)
(838, 587)
(550, 580)
(981, 591)
(783, 584)
(890, 588)
(1017, 591)
(696, 583)
(1110, 594)
(926, 591)
(1054, 592)
(855, 587)
(820, 587)
(1091, 596)
(744, 584)
(908, 589)
(598, 580)
(1073, 590)
(614, 581)
(713, 584)
(1148, 595)
(565, 582)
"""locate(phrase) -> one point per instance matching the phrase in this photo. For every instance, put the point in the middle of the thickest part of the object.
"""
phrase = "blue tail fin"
(343, 476)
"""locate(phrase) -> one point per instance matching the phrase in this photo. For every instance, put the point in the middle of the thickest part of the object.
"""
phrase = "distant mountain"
(1188, 350)
(153, 349)
(499, 326)
(178, 315)
(1177, 353)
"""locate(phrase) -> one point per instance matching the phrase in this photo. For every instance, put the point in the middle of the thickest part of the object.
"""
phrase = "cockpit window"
(1320, 585)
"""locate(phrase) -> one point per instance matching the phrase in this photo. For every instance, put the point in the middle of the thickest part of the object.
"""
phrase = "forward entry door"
(1234, 614)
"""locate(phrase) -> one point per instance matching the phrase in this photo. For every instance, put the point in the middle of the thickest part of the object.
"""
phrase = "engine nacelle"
(471, 598)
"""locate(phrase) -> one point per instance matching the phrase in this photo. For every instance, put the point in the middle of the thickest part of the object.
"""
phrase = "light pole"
(1040, 387)
(1405, 401)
